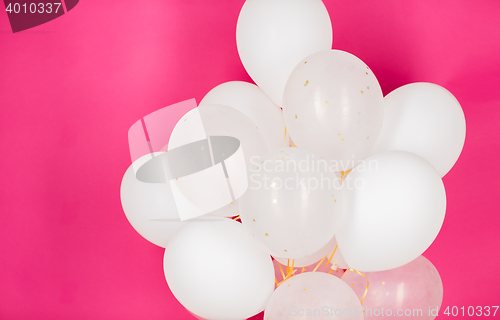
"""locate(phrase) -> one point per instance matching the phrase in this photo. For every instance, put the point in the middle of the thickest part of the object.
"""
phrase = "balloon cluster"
(334, 177)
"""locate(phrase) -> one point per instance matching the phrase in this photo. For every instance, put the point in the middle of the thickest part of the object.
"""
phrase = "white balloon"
(326, 251)
(149, 207)
(217, 271)
(394, 207)
(292, 205)
(274, 35)
(314, 295)
(333, 106)
(425, 119)
(253, 103)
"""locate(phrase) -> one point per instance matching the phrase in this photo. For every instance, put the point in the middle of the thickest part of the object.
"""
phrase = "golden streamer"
(237, 218)
(367, 282)
(303, 269)
(288, 268)
(330, 260)
(282, 274)
(289, 271)
(344, 174)
(317, 266)
(287, 277)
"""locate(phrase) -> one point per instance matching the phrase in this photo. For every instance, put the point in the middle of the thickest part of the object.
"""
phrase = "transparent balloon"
(293, 205)
(394, 207)
(333, 106)
(253, 103)
(274, 35)
(216, 270)
(413, 291)
(314, 295)
(425, 119)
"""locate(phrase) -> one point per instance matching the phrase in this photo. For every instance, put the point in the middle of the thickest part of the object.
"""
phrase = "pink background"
(71, 88)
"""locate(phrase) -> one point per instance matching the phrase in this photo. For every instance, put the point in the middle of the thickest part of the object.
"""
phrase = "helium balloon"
(253, 103)
(216, 270)
(414, 291)
(327, 251)
(394, 207)
(272, 36)
(314, 295)
(425, 119)
(292, 205)
(333, 106)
